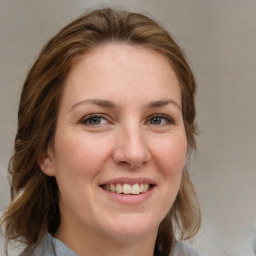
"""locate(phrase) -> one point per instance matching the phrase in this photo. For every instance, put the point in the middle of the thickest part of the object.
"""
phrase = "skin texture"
(125, 87)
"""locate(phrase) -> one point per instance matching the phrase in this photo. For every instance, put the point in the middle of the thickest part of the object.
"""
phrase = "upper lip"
(128, 180)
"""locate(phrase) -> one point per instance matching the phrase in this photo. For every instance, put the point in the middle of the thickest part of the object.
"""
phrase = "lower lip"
(129, 199)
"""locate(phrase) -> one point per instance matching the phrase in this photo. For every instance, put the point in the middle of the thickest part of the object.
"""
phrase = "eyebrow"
(98, 102)
(163, 102)
(110, 104)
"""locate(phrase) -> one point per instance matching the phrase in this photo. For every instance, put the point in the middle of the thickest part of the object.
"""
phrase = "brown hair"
(34, 209)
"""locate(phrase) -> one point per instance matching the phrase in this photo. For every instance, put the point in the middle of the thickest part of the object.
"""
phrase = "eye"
(160, 119)
(94, 120)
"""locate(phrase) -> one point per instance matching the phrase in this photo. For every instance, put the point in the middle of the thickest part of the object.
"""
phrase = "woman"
(105, 125)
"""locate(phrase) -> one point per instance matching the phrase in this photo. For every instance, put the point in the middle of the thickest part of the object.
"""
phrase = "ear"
(45, 163)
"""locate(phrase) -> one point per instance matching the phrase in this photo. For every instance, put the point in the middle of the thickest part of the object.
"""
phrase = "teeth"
(127, 189)
(112, 188)
(146, 187)
(135, 189)
(119, 188)
(108, 187)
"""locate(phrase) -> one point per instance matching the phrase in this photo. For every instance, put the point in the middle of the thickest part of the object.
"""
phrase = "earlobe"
(45, 163)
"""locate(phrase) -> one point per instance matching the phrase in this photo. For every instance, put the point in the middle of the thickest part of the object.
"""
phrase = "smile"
(128, 189)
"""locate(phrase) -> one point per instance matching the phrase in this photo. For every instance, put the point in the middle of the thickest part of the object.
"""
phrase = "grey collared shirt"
(51, 246)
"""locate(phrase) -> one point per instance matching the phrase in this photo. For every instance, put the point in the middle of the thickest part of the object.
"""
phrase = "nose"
(131, 148)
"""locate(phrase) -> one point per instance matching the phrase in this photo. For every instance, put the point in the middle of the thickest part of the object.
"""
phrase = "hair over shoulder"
(34, 207)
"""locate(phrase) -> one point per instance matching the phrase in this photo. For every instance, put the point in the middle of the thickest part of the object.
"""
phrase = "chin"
(132, 228)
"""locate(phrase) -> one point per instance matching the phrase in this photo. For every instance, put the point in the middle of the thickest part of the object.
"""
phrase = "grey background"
(219, 38)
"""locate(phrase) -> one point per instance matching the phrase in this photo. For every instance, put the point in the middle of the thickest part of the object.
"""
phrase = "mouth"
(127, 189)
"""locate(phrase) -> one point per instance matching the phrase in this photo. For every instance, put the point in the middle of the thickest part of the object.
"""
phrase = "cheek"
(171, 155)
(78, 160)
(80, 155)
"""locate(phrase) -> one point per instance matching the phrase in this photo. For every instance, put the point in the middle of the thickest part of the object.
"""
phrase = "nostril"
(131, 151)
(124, 163)
(132, 164)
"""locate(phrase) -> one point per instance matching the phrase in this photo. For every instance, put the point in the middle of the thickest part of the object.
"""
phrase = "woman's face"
(120, 143)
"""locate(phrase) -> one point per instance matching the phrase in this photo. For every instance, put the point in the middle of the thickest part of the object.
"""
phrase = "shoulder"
(180, 249)
(49, 246)
(44, 248)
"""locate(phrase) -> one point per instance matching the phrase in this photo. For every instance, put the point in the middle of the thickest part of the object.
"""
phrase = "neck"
(88, 242)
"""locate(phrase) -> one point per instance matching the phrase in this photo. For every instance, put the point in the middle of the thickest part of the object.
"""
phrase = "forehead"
(122, 69)
(121, 55)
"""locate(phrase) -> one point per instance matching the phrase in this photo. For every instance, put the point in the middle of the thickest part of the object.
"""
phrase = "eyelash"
(88, 118)
(168, 119)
